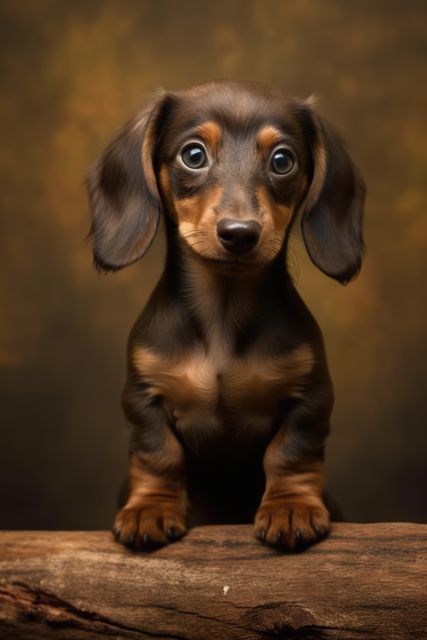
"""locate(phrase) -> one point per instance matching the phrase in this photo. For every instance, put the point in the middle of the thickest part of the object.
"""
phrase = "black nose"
(238, 236)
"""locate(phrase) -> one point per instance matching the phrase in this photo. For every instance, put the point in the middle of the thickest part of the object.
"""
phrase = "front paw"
(149, 526)
(290, 525)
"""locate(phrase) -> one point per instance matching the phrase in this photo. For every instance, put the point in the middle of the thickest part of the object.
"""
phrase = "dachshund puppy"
(228, 396)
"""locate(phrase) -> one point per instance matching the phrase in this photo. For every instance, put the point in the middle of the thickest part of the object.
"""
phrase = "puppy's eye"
(194, 156)
(282, 161)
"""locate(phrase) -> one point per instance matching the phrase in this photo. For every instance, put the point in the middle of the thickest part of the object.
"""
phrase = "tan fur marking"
(292, 509)
(158, 474)
(193, 208)
(267, 137)
(305, 487)
(197, 221)
(211, 133)
(275, 218)
(157, 501)
(256, 383)
(184, 382)
(250, 388)
(302, 479)
(190, 209)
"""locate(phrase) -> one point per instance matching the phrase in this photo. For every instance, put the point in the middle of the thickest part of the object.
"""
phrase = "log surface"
(363, 582)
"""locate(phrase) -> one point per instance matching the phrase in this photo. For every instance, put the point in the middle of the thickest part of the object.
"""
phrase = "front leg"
(292, 514)
(156, 509)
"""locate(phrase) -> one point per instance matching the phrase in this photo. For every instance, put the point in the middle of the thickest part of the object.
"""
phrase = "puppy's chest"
(212, 391)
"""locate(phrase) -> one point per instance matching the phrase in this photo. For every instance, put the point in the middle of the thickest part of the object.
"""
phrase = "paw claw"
(291, 526)
(173, 534)
(150, 526)
(130, 540)
(261, 534)
(279, 537)
(321, 530)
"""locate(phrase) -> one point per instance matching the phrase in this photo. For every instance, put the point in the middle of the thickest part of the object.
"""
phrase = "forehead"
(240, 110)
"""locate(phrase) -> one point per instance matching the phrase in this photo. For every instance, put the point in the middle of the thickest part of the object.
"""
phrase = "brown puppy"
(228, 396)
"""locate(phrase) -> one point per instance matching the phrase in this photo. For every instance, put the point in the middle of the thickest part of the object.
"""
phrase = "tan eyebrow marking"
(267, 137)
(211, 133)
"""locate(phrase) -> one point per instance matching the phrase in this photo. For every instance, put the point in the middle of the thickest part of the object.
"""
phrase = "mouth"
(232, 261)
(231, 265)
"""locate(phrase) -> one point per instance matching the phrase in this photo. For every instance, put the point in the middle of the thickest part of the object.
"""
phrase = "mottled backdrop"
(72, 72)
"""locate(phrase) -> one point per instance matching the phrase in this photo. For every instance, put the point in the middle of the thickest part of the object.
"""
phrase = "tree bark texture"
(365, 581)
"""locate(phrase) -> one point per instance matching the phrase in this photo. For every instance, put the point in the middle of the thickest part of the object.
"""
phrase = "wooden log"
(363, 582)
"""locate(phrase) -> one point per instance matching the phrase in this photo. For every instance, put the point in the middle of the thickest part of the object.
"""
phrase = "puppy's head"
(231, 164)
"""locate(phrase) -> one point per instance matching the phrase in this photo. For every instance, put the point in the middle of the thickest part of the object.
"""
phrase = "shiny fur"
(228, 396)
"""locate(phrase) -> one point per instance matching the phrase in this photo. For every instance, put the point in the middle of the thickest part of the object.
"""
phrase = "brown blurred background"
(75, 71)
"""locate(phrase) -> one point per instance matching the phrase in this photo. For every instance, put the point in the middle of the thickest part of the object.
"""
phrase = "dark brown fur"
(228, 396)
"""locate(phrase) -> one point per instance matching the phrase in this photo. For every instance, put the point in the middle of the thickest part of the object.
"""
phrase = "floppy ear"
(123, 195)
(333, 209)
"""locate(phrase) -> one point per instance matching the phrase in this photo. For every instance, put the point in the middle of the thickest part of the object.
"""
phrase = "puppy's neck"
(218, 296)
